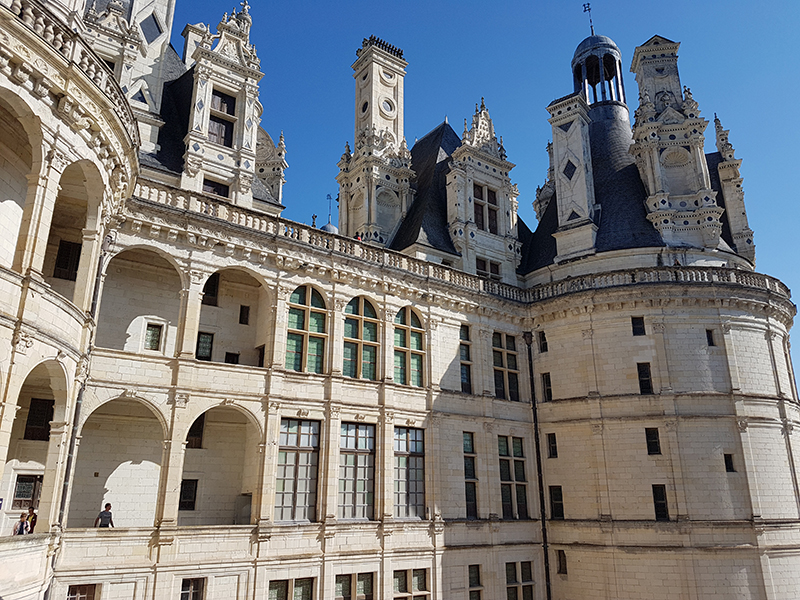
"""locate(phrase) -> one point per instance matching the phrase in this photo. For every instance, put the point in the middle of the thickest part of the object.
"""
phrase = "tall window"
(561, 561)
(82, 592)
(211, 290)
(409, 348)
(361, 340)
(465, 354)
(547, 387)
(192, 589)
(475, 586)
(356, 471)
(298, 457)
(506, 374)
(660, 502)
(37, 425)
(485, 208)
(411, 584)
(645, 378)
(519, 581)
(470, 475)
(542, 339)
(552, 445)
(67, 260)
(556, 502)
(355, 587)
(305, 342)
(513, 483)
(409, 472)
(652, 439)
(637, 326)
(188, 497)
(291, 589)
(152, 336)
(222, 119)
(205, 345)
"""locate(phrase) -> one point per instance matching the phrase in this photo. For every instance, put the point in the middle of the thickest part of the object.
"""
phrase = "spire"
(481, 135)
(724, 147)
(587, 8)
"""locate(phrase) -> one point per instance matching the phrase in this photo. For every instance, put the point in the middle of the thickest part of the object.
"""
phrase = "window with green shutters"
(305, 340)
(409, 348)
(360, 357)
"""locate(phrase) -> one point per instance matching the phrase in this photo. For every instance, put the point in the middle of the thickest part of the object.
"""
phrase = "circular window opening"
(387, 106)
(388, 75)
(364, 107)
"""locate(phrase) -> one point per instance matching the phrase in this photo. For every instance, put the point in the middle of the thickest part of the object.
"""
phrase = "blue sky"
(738, 57)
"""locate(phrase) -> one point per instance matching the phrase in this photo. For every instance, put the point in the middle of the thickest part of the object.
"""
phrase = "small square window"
(215, 187)
(244, 315)
(729, 463)
(192, 589)
(710, 337)
(152, 337)
(653, 440)
(232, 358)
(82, 592)
(150, 28)
(637, 324)
(552, 446)
(67, 260)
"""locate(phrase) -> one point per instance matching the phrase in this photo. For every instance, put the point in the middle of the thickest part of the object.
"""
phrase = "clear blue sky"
(739, 57)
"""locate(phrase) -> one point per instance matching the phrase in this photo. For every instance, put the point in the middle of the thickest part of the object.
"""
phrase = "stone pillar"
(171, 476)
(384, 467)
(482, 363)
(329, 466)
(191, 303)
(730, 354)
(37, 215)
(53, 475)
(264, 510)
(662, 360)
(749, 467)
(87, 269)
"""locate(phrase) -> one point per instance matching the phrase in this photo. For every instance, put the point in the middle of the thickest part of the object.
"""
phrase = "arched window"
(305, 342)
(361, 340)
(409, 348)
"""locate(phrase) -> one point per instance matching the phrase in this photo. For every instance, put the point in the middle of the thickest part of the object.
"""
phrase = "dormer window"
(222, 119)
(486, 268)
(485, 208)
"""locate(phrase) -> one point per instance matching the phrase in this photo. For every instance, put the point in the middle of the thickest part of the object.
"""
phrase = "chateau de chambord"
(432, 401)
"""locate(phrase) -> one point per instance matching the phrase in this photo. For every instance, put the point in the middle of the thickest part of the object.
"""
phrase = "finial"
(466, 131)
(313, 220)
(347, 147)
(245, 6)
(483, 104)
(587, 8)
(476, 108)
(445, 119)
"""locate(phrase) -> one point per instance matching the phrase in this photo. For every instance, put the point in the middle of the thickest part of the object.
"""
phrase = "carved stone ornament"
(22, 341)
(742, 424)
(302, 412)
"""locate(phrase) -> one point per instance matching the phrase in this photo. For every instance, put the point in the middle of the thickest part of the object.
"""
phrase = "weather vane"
(587, 8)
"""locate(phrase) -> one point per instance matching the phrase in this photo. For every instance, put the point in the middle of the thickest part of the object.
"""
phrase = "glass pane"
(343, 587)
(294, 352)
(316, 322)
(513, 387)
(419, 578)
(416, 340)
(316, 299)
(511, 572)
(469, 445)
(527, 572)
(278, 590)
(474, 576)
(400, 583)
(511, 361)
(352, 307)
(153, 337)
(469, 467)
(497, 358)
(464, 352)
(505, 470)
(400, 367)
(511, 343)
(497, 340)
(370, 333)
(297, 318)
(416, 370)
(511, 594)
(464, 333)
(499, 385)
(298, 296)
(400, 338)
(350, 360)
(527, 592)
(519, 470)
(350, 328)
(522, 502)
(370, 313)
(364, 584)
(516, 444)
(303, 589)
(502, 445)
(400, 318)
(415, 322)
(316, 350)
(369, 362)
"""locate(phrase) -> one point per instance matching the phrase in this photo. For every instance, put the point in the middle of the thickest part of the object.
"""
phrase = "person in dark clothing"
(104, 519)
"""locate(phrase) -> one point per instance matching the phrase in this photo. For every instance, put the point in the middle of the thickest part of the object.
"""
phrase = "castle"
(433, 400)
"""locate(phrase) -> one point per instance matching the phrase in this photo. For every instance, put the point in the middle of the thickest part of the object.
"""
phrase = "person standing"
(21, 526)
(104, 519)
(31, 519)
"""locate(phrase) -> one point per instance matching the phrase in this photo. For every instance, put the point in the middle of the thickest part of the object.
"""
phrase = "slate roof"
(175, 108)
(426, 220)
(712, 160)
(101, 5)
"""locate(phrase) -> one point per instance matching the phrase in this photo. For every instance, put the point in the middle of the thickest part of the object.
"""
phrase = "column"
(87, 269)
(171, 477)
(329, 466)
(662, 372)
(264, 511)
(53, 475)
(37, 215)
(482, 363)
(191, 304)
(730, 354)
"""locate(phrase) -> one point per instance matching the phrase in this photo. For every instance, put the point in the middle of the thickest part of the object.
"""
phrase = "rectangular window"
(244, 315)
(152, 337)
(37, 425)
(260, 359)
(506, 372)
(465, 354)
(637, 325)
(222, 102)
(192, 589)
(288, 589)
(211, 290)
(188, 497)
(729, 463)
(492, 213)
(479, 219)
(552, 446)
(409, 472)
(27, 490)
(710, 337)
(474, 579)
(356, 471)
(294, 351)
(410, 584)
(298, 457)
(542, 338)
(645, 380)
(547, 388)
(494, 270)
(205, 343)
(220, 131)
(481, 267)
(653, 440)
(556, 502)
(83, 592)
(216, 188)
(561, 560)
(470, 475)
(660, 502)
(195, 437)
(361, 583)
(519, 581)
(232, 358)
(513, 482)
(67, 260)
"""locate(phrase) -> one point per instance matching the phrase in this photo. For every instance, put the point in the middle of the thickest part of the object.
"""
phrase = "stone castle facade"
(431, 401)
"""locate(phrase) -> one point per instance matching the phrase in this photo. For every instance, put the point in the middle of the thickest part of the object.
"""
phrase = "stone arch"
(141, 303)
(676, 166)
(118, 461)
(220, 467)
(387, 210)
(21, 152)
(235, 318)
(37, 436)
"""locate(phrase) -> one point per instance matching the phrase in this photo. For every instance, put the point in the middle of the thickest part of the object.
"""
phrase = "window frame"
(406, 487)
(361, 319)
(547, 387)
(39, 431)
(504, 374)
(305, 334)
(513, 478)
(355, 578)
(187, 498)
(474, 583)
(660, 502)
(541, 339)
(653, 441)
(68, 260)
(465, 349)
(638, 327)
(485, 202)
(410, 585)
(299, 451)
(552, 445)
(244, 314)
(645, 376)
(151, 324)
(556, 494)
(291, 584)
(368, 507)
(729, 466)
(406, 354)
(470, 482)
(25, 502)
(216, 188)
(204, 335)
(225, 118)
(82, 592)
(519, 586)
